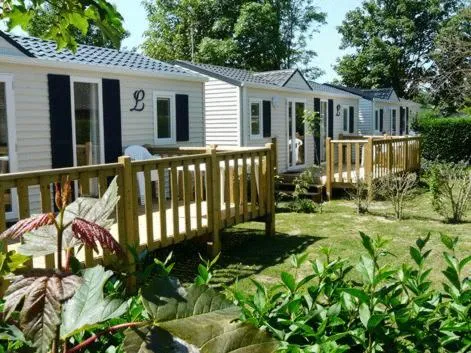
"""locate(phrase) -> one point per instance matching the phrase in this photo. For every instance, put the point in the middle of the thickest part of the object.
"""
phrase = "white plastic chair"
(139, 153)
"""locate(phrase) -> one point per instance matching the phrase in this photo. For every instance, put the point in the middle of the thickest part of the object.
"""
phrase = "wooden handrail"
(195, 194)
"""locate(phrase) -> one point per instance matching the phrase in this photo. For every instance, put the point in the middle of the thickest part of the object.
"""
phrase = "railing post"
(328, 171)
(128, 201)
(390, 154)
(215, 217)
(369, 167)
(275, 152)
(270, 175)
(406, 154)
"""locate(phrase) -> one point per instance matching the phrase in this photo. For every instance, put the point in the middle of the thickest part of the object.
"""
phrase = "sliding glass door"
(296, 134)
(87, 123)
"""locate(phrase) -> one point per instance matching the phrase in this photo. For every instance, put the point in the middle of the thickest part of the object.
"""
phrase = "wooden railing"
(184, 196)
(363, 160)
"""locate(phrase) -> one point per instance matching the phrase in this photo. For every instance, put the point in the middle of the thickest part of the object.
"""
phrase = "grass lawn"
(247, 253)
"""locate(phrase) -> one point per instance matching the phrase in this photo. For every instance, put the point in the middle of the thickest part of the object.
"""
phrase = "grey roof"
(278, 77)
(238, 77)
(89, 55)
(370, 94)
(330, 89)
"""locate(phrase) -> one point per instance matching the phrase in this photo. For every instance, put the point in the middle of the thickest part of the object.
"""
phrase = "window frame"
(260, 104)
(346, 108)
(79, 79)
(173, 120)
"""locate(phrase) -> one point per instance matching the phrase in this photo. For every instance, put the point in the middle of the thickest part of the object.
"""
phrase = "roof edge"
(304, 78)
(16, 44)
(200, 70)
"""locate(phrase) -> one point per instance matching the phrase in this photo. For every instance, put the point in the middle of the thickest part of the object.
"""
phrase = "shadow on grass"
(245, 252)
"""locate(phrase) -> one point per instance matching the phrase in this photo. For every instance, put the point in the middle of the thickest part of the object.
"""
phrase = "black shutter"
(60, 115)
(266, 119)
(407, 120)
(183, 117)
(317, 139)
(112, 120)
(381, 120)
(401, 121)
(351, 125)
(331, 118)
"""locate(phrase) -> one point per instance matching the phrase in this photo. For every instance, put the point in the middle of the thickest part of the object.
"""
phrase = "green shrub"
(397, 189)
(445, 139)
(302, 205)
(450, 184)
(391, 310)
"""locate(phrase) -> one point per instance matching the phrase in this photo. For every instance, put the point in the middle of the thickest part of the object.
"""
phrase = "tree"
(40, 21)
(451, 87)
(245, 34)
(69, 17)
(393, 42)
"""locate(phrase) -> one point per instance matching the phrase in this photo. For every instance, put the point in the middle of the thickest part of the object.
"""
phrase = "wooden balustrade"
(354, 160)
(162, 201)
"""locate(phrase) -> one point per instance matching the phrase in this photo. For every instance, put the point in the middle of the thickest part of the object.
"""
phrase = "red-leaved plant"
(39, 295)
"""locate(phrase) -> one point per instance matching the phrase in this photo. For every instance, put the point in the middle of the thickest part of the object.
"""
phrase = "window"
(381, 119)
(345, 119)
(87, 123)
(164, 115)
(376, 120)
(256, 119)
(393, 121)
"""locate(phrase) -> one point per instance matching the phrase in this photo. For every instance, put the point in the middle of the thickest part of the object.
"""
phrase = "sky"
(326, 43)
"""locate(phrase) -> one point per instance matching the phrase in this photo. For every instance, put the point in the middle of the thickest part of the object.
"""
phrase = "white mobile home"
(244, 108)
(60, 109)
(382, 111)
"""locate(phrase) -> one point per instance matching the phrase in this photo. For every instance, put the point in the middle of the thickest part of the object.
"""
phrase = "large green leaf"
(43, 241)
(203, 318)
(88, 306)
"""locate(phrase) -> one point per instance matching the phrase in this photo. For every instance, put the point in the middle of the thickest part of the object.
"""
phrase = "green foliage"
(71, 19)
(244, 34)
(40, 22)
(204, 271)
(393, 43)
(445, 139)
(390, 310)
(302, 205)
(88, 306)
(451, 86)
(10, 262)
(450, 184)
(310, 176)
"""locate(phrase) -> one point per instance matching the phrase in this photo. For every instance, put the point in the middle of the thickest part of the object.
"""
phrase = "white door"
(8, 141)
(296, 134)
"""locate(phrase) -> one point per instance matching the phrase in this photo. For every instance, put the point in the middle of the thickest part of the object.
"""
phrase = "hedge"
(446, 139)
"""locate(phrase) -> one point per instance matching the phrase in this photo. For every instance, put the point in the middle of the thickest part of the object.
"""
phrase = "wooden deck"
(194, 193)
(353, 160)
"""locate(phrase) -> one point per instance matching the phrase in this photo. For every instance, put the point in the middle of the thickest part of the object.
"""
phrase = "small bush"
(445, 139)
(360, 195)
(397, 188)
(302, 205)
(450, 184)
(310, 176)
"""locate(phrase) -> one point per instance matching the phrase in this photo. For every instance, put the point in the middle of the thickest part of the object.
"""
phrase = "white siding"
(297, 81)
(278, 123)
(8, 49)
(221, 113)
(32, 112)
(365, 118)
